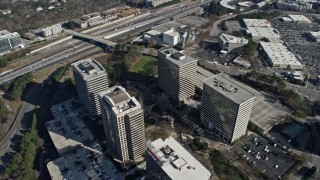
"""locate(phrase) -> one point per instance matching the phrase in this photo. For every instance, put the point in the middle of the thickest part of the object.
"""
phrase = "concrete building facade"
(176, 73)
(228, 42)
(154, 3)
(91, 79)
(226, 107)
(52, 30)
(123, 123)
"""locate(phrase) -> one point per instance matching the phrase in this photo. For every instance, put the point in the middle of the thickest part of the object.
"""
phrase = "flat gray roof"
(89, 68)
(85, 162)
(177, 57)
(229, 87)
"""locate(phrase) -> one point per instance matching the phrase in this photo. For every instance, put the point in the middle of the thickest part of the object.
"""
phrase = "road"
(64, 50)
(78, 47)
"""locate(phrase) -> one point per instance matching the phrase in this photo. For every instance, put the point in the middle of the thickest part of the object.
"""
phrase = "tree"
(215, 9)
(250, 47)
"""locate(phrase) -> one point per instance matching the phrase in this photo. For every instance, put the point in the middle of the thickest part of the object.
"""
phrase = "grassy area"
(146, 65)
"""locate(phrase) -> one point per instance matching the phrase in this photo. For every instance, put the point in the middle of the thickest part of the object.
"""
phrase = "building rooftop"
(225, 3)
(83, 163)
(119, 100)
(6, 34)
(201, 75)
(229, 87)
(233, 39)
(299, 18)
(280, 54)
(89, 68)
(179, 58)
(67, 130)
(256, 23)
(176, 161)
(315, 35)
(168, 26)
(264, 32)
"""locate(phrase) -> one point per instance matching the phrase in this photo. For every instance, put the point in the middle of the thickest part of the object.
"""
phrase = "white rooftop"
(256, 23)
(279, 54)
(176, 161)
(119, 100)
(177, 57)
(89, 68)
(233, 39)
(299, 18)
(229, 87)
(287, 19)
(264, 32)
(315, 35)
(225, 4)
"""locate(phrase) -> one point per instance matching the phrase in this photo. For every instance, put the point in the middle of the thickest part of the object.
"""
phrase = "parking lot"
(193, 21)
(264, 155)
(296, 35)
(267, 110)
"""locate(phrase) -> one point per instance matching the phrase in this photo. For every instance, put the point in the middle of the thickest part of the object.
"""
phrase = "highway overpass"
(97, 40)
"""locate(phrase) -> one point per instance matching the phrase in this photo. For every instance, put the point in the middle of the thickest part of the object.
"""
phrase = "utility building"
(176, 73)
(123, 123)
(226, 107)
(91, 79)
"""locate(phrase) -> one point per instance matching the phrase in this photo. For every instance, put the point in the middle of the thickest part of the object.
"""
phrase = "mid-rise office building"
(123, 123)
(176, 73)
(8, 41)
(226, 107)
(228, 42)
(91, 79)
(168, 160)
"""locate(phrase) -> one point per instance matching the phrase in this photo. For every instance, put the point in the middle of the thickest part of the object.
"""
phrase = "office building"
(258, 33)
(228, 42)
(176, 73)
(299, 18)
(169, 160)
(280, 56)
(226, 107)
(294, 5)
(257, 23)
(91, 79)
(8, 41)
(123, 123)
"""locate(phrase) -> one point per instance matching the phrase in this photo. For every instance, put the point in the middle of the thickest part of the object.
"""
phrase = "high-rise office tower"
(176, 73)
(123, 123)
(91, 79)
(226, 107)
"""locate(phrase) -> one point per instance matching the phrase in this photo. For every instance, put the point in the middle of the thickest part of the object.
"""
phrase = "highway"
(75, 47)
(72, 48)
